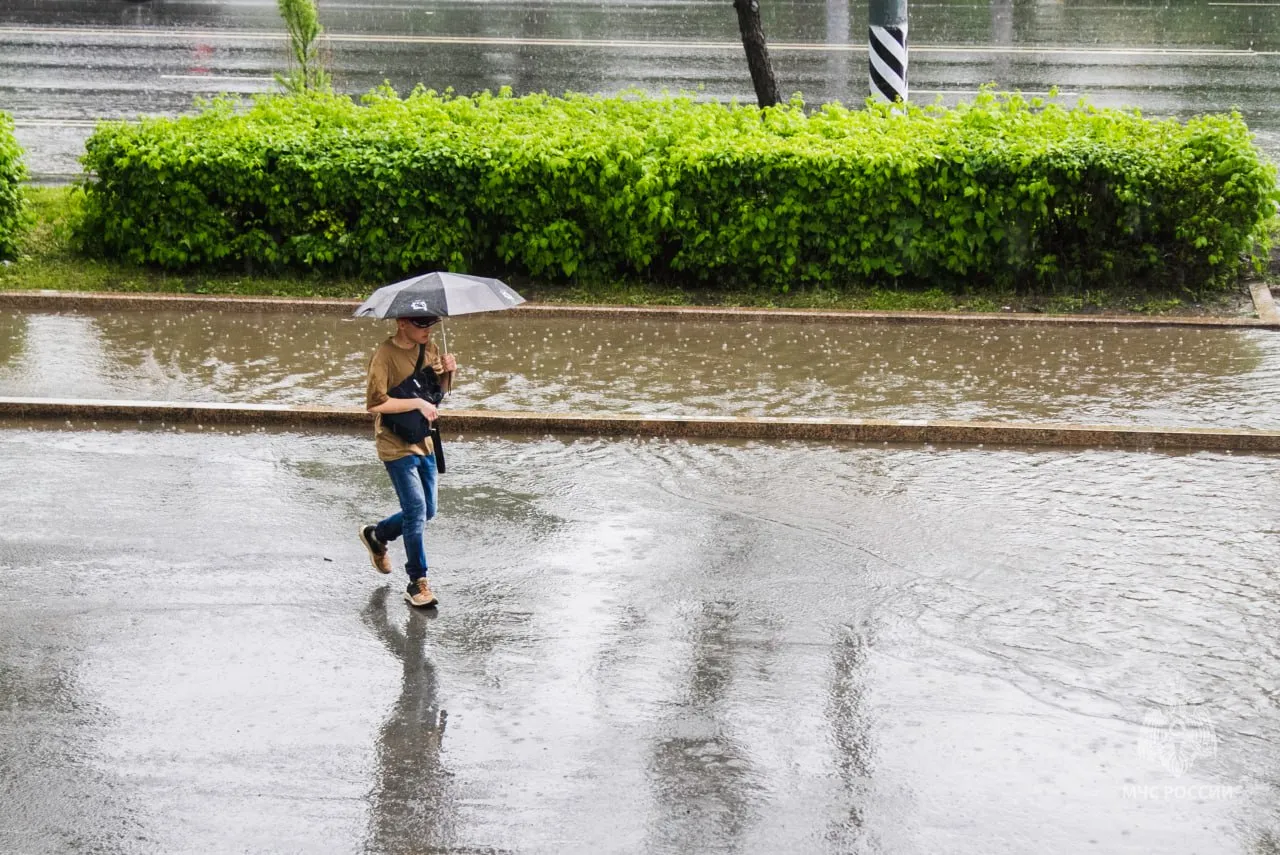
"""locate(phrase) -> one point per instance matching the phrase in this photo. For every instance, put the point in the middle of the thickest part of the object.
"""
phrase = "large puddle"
(1163, 376)
(644, 646)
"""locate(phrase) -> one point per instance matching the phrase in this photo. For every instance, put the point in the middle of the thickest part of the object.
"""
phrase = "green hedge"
(1002, 190)
(12, 174)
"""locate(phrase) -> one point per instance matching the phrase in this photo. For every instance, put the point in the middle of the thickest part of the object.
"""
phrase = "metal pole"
(888, 56)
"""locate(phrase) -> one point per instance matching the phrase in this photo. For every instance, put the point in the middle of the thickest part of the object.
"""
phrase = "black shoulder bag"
(413, 426)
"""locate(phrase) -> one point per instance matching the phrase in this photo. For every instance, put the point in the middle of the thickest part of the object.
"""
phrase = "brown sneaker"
(377, 549)
(419, 594)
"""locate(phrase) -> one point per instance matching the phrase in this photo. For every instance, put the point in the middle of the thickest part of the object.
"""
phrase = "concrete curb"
(1264, 303)
(845, 430)
(76, 300)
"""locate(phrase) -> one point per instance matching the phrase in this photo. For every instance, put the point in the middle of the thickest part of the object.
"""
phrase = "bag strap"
(417, 366)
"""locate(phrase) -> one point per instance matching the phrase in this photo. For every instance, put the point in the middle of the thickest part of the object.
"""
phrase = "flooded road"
(643, 646)
(66, 63)
(1175, 377)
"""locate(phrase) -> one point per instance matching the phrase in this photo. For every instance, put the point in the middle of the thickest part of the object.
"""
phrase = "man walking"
(411, 465)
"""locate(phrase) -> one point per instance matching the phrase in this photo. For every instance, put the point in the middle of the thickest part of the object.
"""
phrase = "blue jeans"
(415, 481)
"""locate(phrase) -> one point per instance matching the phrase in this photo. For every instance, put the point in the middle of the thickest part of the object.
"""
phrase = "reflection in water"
(63, 354)
(414, 806)
(850, 735)
(1170, 376)
(49, 780)
(479, 514)
(58, 791)
(471, 503)
(13, 338)
(703, 790)
(259, 357)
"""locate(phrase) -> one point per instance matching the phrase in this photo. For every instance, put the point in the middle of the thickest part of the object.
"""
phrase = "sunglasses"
(423, 323)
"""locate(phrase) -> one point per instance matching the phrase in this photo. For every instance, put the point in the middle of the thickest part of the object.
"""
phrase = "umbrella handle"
(444, 335)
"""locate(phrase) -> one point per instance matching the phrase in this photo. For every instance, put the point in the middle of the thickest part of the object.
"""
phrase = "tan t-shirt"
(390, 366)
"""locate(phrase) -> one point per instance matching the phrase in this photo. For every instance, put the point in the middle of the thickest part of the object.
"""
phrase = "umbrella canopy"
(440, 293)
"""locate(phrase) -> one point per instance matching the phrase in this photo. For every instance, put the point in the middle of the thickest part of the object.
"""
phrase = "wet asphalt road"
(1165, 376)
(644, 647)
(66, 63)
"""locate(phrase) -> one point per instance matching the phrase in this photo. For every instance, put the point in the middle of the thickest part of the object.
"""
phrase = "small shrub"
(12, 173)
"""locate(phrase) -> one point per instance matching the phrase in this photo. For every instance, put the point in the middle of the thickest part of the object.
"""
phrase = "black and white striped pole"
(889, 50)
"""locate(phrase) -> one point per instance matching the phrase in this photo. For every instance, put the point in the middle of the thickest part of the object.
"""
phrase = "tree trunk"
(757, 52)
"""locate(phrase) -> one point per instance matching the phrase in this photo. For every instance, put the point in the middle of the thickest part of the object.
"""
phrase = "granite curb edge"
(1131, 437)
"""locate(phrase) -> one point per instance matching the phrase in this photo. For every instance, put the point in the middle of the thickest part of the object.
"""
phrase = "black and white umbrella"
(444, 294)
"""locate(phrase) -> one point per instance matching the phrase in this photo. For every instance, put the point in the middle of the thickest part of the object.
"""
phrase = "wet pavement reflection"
(643, 646)
(413, 805)
(1165, 376)
(704, 787)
